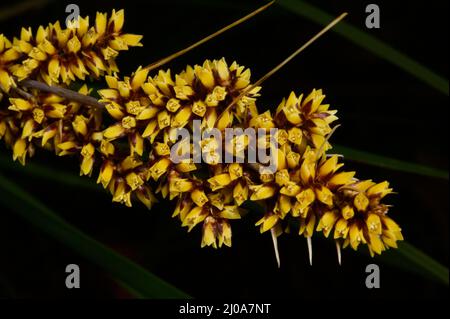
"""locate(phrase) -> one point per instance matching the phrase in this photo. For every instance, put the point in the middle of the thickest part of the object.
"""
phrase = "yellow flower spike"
(100, 23)
(67, 147)
(295, 135)
(150, 128)
(114, 131)
(341, 229)
(261, 192)
(87, 164)
(266, 177)
(162, 149)
(112, 83)
(5, 80)
(243, 80)
(136, 144)
(87, 150)
(240, 193)
(132, 40)
(217, 200)
(37, 54)
(225, 120)
(267, 222)
(209, 232)
(20, 150)
(356, 236)
(292, 159)
(106, 173)
(180, 185)
(219, 93)
(230, 212)
(159, 168)
(139, 78)
(147, 113)
(263, 120)
(20, 105)
(3, 128)
(224, 235)
(182, 208)
(164, 82)
(146, 197)
(324, 195)
(373, 223)
(282, 177)
(361, 202)
(235, 170)
(376, 244)
(291, 111)
(195, 216)
(327, 222)
(205, 76)
(308, 169)
(290, 189)
(163, 119)
(128, 122)
(199, 108)
(199, 197)
(117, 20)
(134, 180)
(182, 117)
(222, 70)
(56, 110)
(107, 148)
(389, 239)
(134, 107)
(307, 226)
(185, 167)
(73, 45)
(130, 162)
(28, 128)
(306, 198)
(54, 69)
(173, 105)
(284, 205)
(380, 189)
(219, 181)
(280, 158)
(362, 186)
(342, 178)
(329, 166)
(48, 133)
(347, 212)
(79, 125)
(390, 224)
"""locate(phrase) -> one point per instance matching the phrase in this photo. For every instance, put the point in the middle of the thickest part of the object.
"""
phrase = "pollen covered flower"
(63, 55)
(309, 115)
(8, 57)
(128, 137)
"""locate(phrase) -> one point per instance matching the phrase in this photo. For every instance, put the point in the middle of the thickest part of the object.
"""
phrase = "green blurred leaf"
(388, 162)
(415, 261)
(370, 43)
(56, 175)
(140, 281)
(12, 11)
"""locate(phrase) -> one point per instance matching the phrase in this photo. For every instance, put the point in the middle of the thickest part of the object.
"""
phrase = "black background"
(382, 110)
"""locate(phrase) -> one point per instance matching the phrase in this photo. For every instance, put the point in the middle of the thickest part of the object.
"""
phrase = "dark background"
(382, 110)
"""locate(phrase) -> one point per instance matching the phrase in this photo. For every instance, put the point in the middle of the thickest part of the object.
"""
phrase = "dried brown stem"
(65, 93)
(165, 60)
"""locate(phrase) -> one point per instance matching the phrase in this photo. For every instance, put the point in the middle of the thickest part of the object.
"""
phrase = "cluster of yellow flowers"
(132, 146)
